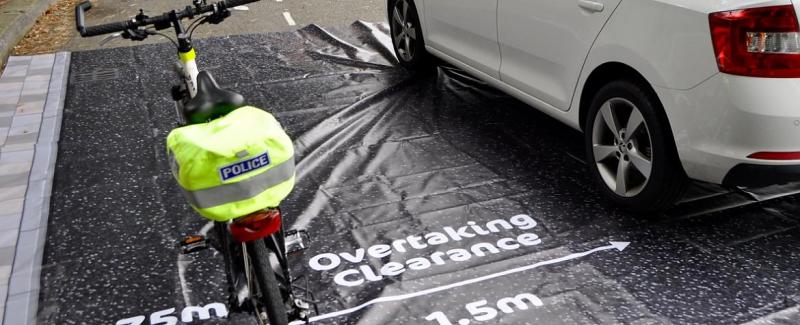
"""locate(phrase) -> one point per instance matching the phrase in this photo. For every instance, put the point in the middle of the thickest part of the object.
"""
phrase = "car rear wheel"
(630, 149)
(406, 31)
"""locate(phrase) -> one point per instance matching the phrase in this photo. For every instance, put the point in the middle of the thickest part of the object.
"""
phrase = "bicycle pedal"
(294, 241)
(301, 304)
(192, 244)
(302, 309)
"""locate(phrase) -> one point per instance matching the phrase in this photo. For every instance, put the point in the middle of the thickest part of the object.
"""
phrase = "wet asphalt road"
(262, 17)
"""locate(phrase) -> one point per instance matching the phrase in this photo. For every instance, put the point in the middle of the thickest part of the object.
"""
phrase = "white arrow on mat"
(618, 245)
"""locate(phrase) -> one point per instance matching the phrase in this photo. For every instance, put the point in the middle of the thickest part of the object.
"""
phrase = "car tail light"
(775, 155)
(757, 42)
(256, 225)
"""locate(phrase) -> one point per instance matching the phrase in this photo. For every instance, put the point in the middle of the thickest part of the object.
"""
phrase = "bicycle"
(250, 242)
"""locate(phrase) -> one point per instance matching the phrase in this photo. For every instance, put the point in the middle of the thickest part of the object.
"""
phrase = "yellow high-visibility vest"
(234, 165)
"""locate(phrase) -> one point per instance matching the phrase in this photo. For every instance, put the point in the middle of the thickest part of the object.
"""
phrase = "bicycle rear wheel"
(269, 294)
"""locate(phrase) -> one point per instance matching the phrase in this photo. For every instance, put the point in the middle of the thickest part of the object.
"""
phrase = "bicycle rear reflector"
(256, 225)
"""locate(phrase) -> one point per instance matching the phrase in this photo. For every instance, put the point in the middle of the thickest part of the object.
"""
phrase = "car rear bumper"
(718, 124)
(752, 175)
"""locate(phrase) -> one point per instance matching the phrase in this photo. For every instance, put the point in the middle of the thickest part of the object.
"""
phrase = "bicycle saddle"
(211, 101)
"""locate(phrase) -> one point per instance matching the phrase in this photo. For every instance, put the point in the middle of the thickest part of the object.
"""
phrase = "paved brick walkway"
(32, 91)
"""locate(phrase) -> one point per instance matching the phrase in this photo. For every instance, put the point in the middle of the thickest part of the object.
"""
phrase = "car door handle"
(592, 6)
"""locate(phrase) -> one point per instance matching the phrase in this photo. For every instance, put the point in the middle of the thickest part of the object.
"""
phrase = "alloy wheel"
(404, 31)
(622, 147)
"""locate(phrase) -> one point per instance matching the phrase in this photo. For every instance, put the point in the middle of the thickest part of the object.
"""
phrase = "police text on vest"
(245, 166)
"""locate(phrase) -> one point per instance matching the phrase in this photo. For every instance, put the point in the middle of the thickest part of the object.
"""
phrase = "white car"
(664, 90)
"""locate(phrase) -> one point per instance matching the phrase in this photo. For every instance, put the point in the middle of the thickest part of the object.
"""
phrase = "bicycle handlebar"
(236, 3)
(162, 21)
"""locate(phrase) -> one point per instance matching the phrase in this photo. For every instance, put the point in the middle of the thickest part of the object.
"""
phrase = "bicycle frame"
(189, 70)
(187, 55)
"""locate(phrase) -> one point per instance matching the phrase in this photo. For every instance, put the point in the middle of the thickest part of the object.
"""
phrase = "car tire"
(406, 32)
(637, 169)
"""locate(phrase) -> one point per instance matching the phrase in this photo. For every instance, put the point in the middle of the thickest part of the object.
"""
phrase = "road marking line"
(614, 245)
(289, 19)
(278, 0)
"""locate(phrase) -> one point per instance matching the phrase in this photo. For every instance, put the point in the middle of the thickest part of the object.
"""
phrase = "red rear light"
(775, 155)
(757, 42)
(256, 225)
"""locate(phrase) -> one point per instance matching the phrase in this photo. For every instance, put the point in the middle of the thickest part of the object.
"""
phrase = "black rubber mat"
(483, 204)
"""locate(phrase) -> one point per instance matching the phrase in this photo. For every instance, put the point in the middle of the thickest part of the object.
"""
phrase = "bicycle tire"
(271, 297)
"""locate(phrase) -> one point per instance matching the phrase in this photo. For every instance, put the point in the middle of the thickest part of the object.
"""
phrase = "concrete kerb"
(23, 285)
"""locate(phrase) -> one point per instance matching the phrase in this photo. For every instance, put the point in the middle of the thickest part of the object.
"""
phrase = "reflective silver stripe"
(173, 164)
(234, 192)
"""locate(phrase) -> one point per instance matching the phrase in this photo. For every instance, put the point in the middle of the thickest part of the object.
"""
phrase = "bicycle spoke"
(251, 284)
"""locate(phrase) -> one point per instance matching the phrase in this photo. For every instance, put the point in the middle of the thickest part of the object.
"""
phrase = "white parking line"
(289, 19)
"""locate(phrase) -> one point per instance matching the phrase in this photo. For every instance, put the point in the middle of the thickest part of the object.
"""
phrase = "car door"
(544, 44)
(465, 30)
